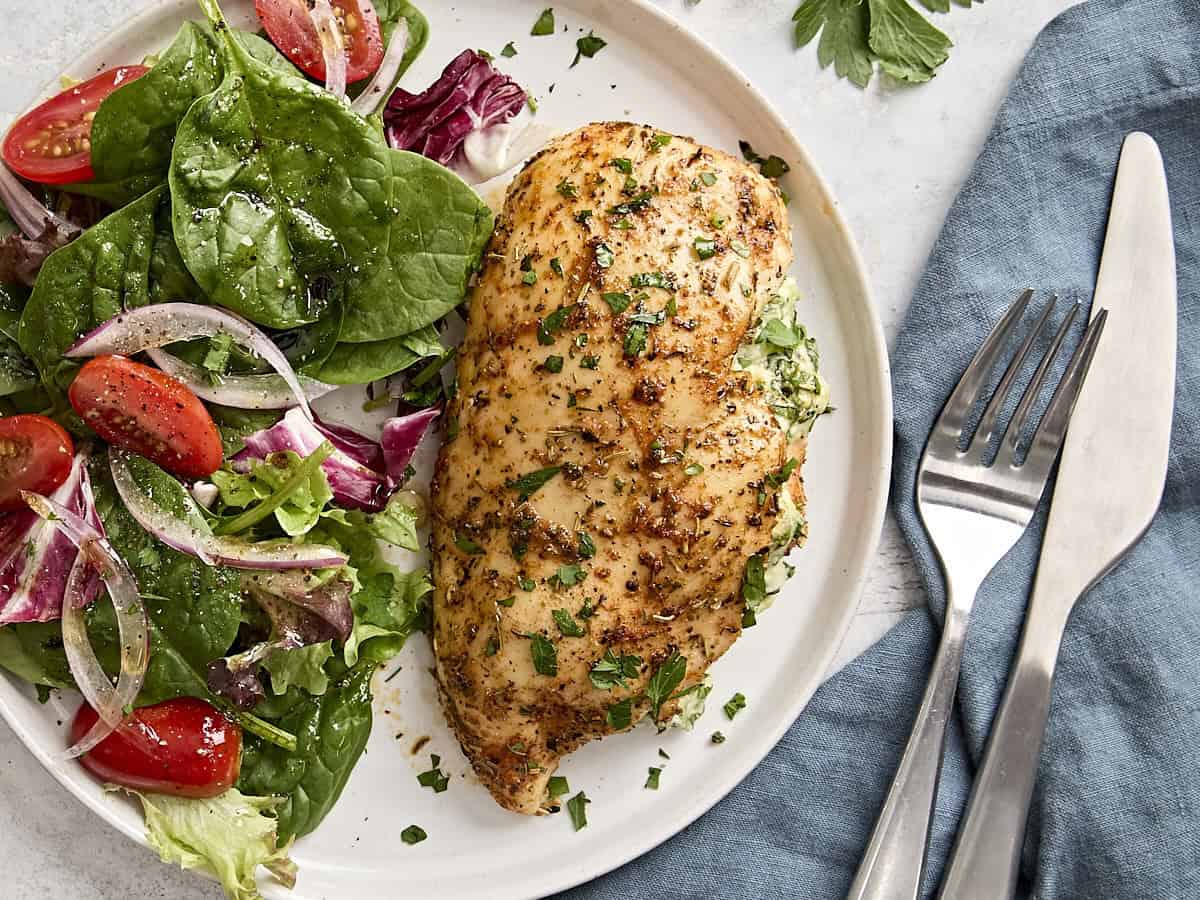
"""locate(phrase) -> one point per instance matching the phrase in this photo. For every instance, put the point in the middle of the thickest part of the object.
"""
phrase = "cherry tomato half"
(35, 455)
(289, 27)
(183, 747)
(51, 143)
(143, 410)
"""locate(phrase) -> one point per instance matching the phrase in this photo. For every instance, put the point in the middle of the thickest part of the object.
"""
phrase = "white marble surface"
(895, 157)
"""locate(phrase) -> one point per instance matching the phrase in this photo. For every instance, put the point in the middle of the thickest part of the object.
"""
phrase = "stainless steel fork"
(975, 508)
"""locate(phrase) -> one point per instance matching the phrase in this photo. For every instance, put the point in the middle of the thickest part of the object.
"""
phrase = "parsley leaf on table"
(857, 33)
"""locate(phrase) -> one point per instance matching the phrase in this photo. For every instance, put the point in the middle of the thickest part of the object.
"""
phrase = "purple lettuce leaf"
(401, 435)
(36, 557)
(470, 95)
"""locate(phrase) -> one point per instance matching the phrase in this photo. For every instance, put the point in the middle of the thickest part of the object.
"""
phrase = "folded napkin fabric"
(1116, 812)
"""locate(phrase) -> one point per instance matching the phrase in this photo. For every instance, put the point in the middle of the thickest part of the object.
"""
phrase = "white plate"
(651, 71)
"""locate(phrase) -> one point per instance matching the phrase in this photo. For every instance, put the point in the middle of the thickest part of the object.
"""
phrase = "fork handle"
(987, 853)
(892, 864)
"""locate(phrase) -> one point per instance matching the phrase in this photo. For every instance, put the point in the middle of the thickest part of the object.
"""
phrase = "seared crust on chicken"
(605, 475)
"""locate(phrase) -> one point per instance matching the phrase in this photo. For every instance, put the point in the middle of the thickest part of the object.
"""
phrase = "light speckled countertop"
(894, 157)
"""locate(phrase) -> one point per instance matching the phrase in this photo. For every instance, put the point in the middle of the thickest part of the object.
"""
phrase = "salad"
(193, 249)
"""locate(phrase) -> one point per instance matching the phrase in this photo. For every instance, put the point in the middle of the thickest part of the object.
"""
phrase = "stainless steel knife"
(1110, 482)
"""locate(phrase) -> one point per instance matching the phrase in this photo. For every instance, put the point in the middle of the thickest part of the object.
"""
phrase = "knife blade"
(1110, 482)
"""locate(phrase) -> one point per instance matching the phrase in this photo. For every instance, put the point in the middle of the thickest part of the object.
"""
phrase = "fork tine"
(1016, 425)
(1044, 447)
(967, 392)
(987, 424)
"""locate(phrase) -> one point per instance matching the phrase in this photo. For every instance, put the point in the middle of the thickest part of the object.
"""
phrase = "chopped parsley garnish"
(587, 547)
(665, 679)
(531, 482)
(526, 584)
(492, 647)
(581, 340)
(509, 50)
(693, 469)
(706, 248)
(567, 626)
(735, 705)
(586, 611)
(663, 753)
(741, 248)
(557, 786)
(567, 189)
(545, 656)
(666, 281)
(709, 178)
(589, 362)
(577, 807)
(622, 224)
(582, 216)
(529, 277)
(467, 546)
(652, 778)
(622, 165)
(635, 339)
(435, 778)
(717, 221)
(556, 267)
(617, 301)
(508, 601)
(631, 185)
(754, 588)
(553, 364)
(569, 575)
(413, 834)
(612, 670)
(588, 46)
(717, 738)
(553, 324)
(780, 477)
(620, 715)
(659, 141)
(637, 204)
(604, 256)
(771, 166)
(544, 24)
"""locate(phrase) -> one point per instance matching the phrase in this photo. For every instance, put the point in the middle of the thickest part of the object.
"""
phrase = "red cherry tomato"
(291, 30)
(143, 410)
(35, 455)
(182, 747)
(52, 143)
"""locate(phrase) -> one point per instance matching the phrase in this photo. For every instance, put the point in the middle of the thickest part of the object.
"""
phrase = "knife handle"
(987, 853)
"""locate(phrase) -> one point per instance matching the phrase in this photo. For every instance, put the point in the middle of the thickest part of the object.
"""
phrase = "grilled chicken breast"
(607, 473)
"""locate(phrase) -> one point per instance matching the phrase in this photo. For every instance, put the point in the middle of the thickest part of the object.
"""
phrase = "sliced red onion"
(333, 46)
(401, 436)
(192, 535)
(132, 623)
(239, 391)
(148, 327)
(385, 76)
(30, 215)
(36, 559)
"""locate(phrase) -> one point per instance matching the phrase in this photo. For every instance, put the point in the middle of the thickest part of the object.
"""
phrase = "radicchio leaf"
(36, 557)
(362, 473)
(470, 95)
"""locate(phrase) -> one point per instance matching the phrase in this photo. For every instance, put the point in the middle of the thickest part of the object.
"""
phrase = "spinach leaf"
(426, 252)
(331, 732)
(24, 652)
(236, 425)
(370, 361)
(135, 126)
(17, 371)
(282, 194)
(121, 262)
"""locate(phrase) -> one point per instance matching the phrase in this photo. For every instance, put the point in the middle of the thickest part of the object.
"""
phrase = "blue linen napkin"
(1116, 813)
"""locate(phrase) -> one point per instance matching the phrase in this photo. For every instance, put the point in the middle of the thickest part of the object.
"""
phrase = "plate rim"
(877, 376)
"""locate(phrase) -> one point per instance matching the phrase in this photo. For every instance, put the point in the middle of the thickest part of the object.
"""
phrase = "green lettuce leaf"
(228, 836)
(387, 609)
(299, 511)
(303, 667)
